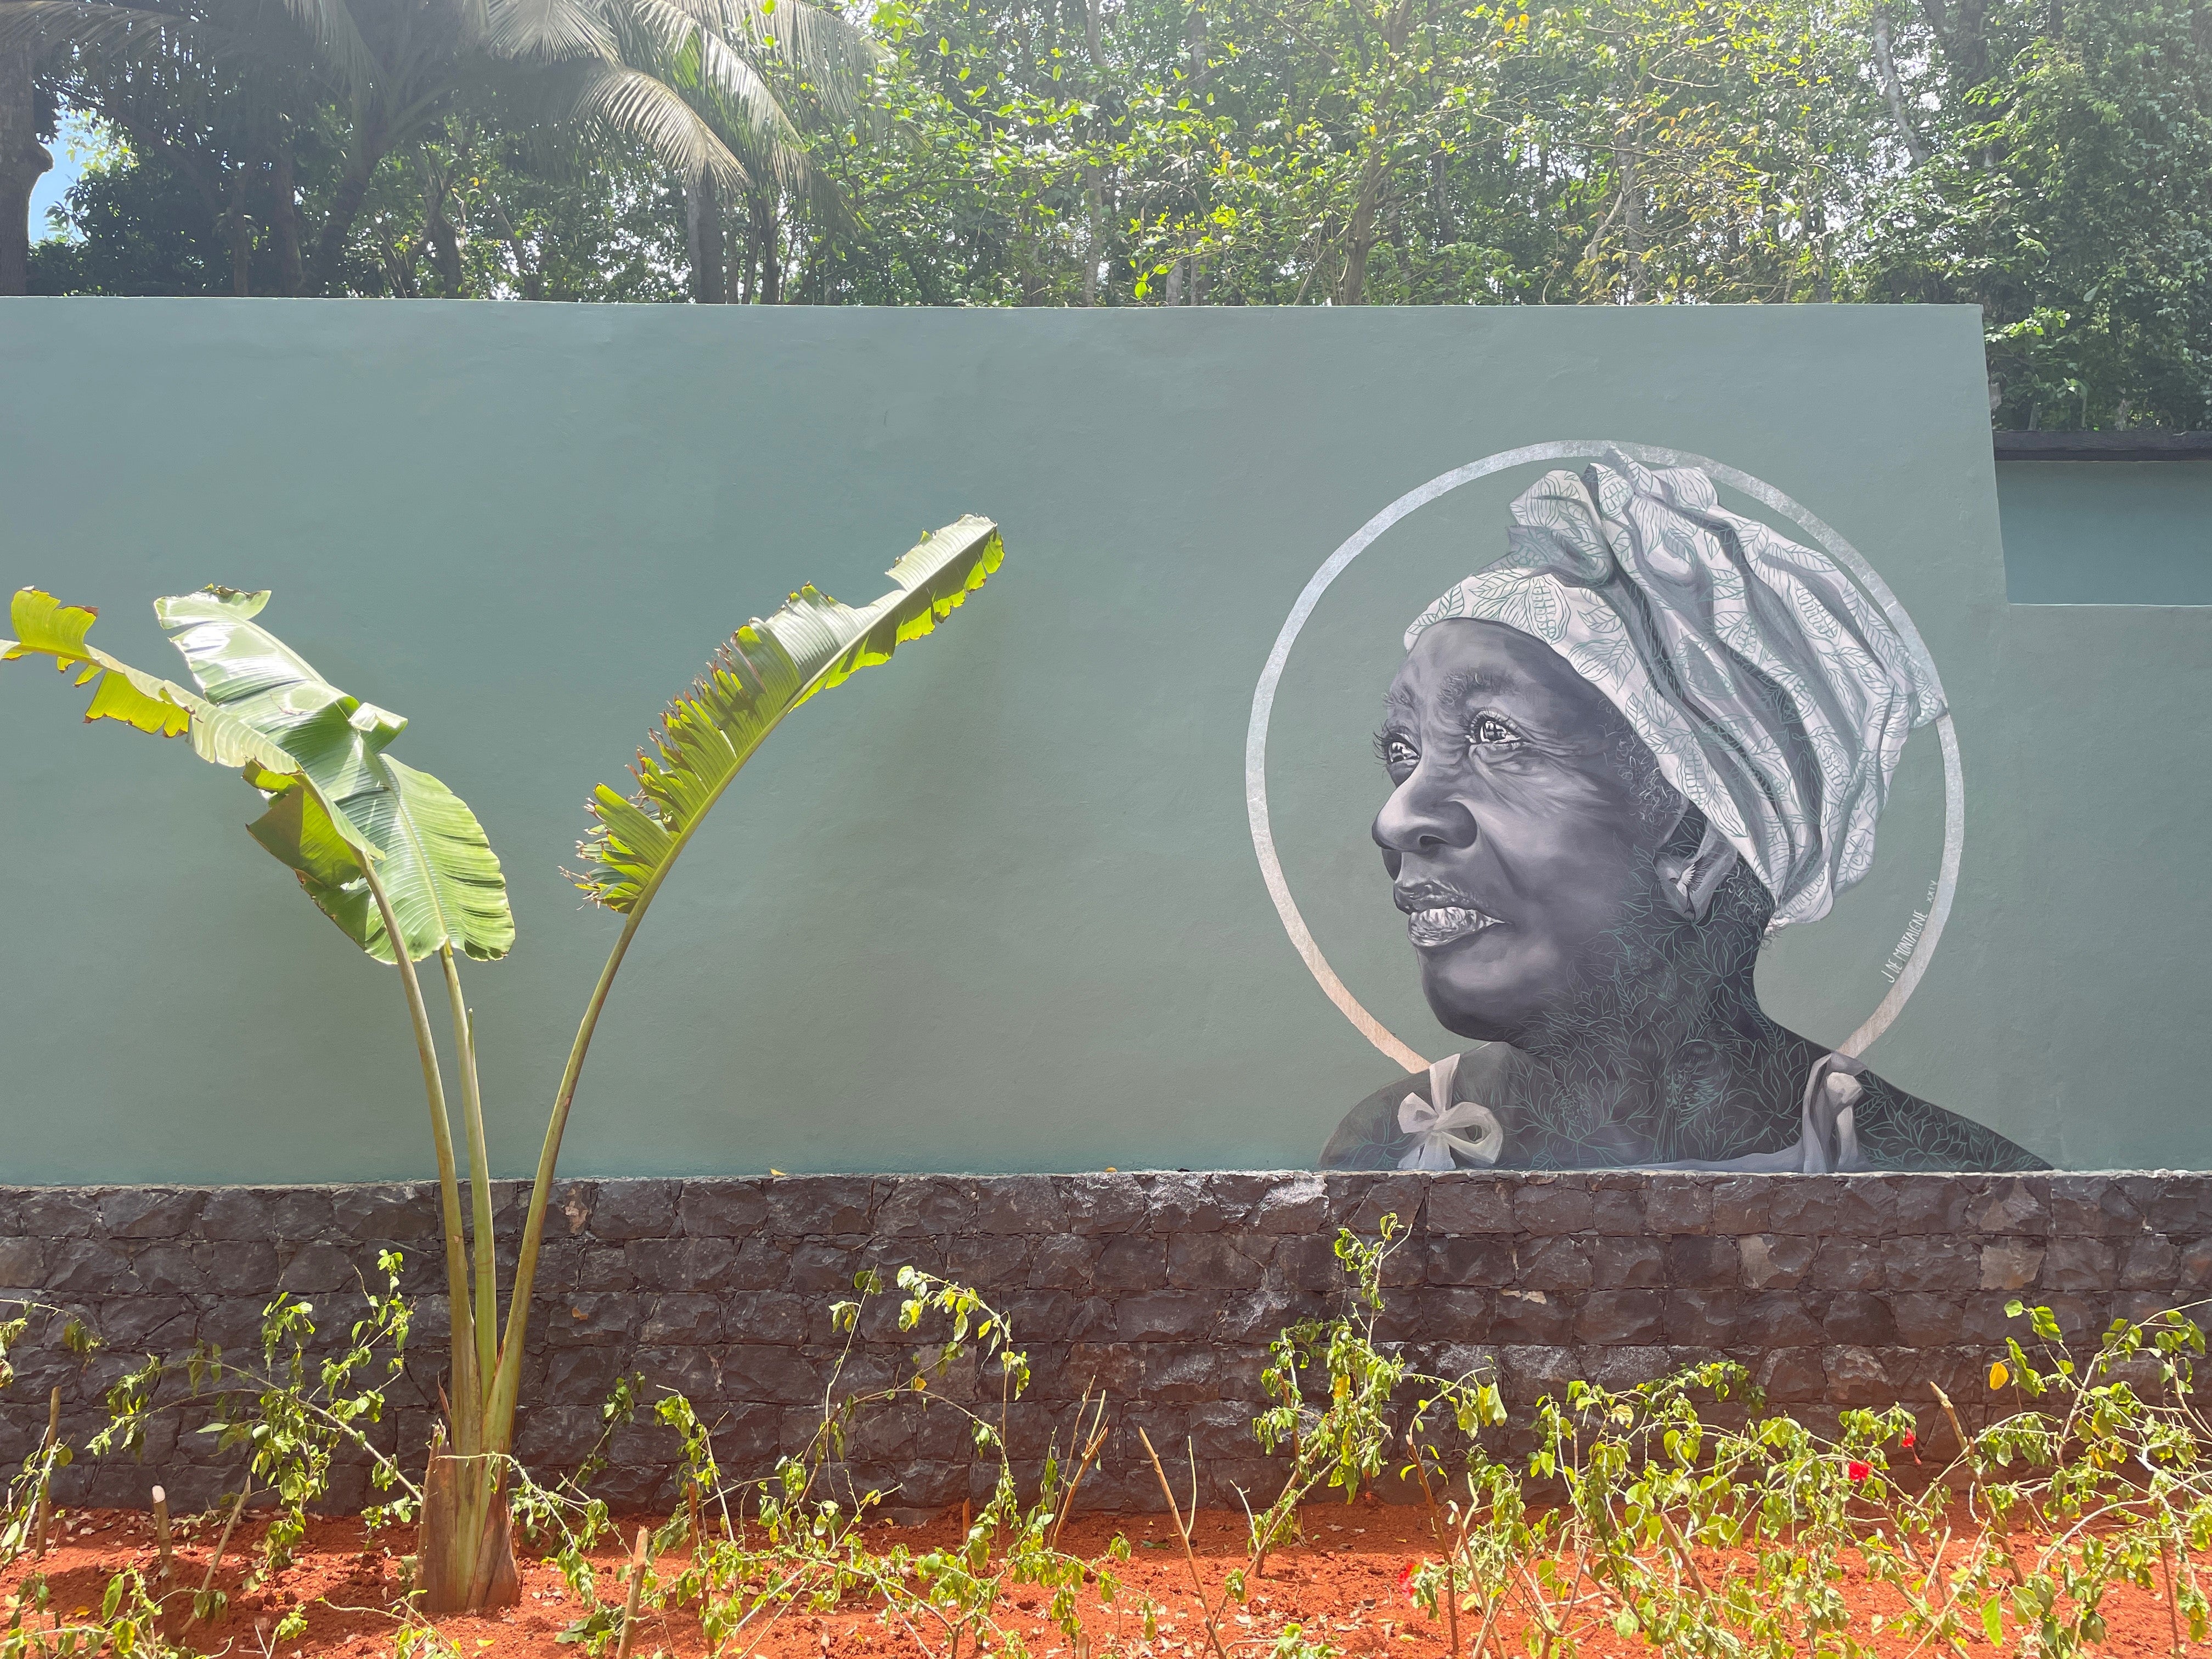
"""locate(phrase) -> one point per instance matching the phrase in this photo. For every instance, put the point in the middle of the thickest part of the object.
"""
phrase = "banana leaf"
(125, 694)
(765, 671)
(337, 803)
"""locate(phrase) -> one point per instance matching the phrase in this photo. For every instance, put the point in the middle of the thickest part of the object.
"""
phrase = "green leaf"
(336, 801)
(433, 858)
(123, 693)
(765, 671)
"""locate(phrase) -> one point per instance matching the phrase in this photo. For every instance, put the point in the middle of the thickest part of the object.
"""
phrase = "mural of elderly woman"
(1621, 756)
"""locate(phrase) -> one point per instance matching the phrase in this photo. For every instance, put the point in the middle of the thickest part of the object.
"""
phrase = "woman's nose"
(1421, 817)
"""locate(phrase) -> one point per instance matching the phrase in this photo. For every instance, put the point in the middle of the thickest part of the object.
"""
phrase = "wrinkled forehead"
(1459, 665)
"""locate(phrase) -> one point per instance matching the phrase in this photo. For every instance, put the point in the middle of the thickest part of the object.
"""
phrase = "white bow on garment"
(1432, 1121)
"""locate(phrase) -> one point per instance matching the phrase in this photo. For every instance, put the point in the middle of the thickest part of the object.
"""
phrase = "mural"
(1619, 758)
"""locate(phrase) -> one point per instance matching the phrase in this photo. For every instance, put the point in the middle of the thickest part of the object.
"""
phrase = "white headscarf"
(1776, 695)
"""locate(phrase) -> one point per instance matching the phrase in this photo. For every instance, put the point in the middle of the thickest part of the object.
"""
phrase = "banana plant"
(398, 862)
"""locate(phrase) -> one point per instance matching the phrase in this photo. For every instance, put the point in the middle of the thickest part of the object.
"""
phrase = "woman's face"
(1512, 834)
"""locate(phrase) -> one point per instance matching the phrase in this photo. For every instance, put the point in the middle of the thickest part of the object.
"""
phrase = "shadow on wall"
(2106, 533)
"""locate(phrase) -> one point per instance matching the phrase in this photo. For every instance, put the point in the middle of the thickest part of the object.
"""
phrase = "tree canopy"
(2048, 159)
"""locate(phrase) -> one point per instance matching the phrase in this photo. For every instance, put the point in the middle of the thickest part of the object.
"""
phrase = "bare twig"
(1092, 1448)
(1182, 1531)
(2172, 1612)
(47, 1472)
(1446, 1545)
(629, 1602)
(207, 1584)
(161, 1530)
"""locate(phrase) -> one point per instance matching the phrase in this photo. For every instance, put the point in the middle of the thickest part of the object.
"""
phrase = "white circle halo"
(1263, 704)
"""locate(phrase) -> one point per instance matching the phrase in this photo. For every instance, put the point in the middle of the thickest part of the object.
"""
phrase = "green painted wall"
(994, 907)
(2107, 532)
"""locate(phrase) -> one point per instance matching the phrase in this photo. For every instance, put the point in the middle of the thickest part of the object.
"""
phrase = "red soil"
(1343, 1587)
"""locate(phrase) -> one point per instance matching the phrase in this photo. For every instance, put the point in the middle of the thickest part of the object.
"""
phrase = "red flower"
(1406, 1579)
(1857, 1471)
(1909, 1441)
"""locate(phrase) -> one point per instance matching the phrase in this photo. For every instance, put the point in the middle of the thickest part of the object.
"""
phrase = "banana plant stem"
(485, 1313)
(507, 1382)
(467, 1397)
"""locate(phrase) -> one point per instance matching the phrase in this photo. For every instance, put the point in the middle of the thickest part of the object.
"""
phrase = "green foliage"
(1346, 1441)
(130, 1624)
(1293, 1643)
(2051, 164)
(23, 1502)
(2091, 1474)
(744, 1553)
(2102, 1471)
(290, 1413)
(308, 137)
(766, 671)
(2069, 192)
(339, 806)
(392, 855)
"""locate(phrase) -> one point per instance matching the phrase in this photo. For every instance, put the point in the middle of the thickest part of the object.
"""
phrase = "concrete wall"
(2107, 532)
(1162, 1289)
(994, 907)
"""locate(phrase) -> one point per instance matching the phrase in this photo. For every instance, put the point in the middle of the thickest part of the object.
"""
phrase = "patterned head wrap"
(1776, 695)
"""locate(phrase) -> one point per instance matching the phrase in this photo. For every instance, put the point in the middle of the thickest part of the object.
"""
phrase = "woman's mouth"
(1445, 924)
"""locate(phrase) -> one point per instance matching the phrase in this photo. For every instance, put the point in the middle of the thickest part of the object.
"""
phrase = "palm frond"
(765, 671)
(726, 91)
(835, 56)
(550, 29)
(339, 46)
(631, 104)
(88, 23)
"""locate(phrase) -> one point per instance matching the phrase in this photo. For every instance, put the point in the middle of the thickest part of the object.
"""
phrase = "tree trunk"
(22, 159)
(1093, 233)
(1631, 223)
(703, 234)
(345, 208)
(238, 229)
(533, 282)
(438, 230)
(284, 219)
(1964, 36)
(1893, 90)
(1360, 238)
(766, 257)
(1816, 244)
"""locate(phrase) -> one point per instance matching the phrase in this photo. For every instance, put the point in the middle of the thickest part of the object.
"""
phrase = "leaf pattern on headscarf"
(1774, 694)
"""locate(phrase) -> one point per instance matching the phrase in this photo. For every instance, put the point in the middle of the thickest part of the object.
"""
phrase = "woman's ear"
(1689, 880)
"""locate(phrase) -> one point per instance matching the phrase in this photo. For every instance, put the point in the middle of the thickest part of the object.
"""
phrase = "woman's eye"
(1400, 755)
(1489, 729)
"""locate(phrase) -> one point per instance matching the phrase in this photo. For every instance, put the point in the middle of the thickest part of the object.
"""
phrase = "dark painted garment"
(1895, 1130)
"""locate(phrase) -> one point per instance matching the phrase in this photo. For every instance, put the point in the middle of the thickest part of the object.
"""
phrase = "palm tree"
(684, 77)
(22, 159)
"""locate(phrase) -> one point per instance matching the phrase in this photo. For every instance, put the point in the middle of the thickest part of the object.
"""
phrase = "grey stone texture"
(1162, 1289)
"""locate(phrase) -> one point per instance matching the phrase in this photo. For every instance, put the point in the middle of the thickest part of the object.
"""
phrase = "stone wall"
(1162, 1289)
